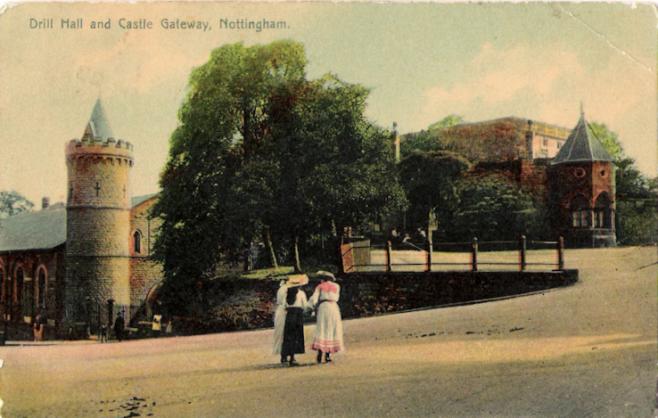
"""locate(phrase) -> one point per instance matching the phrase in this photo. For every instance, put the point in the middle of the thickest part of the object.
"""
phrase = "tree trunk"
(429, 225)
(295, 255)
(267, 239)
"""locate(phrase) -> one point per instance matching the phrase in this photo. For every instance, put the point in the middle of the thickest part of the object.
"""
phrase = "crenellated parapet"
(114, 150)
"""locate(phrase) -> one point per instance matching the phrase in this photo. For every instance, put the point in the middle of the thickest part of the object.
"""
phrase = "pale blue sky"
(422, 62)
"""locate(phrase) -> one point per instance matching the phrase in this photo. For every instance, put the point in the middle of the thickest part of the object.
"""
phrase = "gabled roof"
(138, 200)
(581, 146)
(98, 126)
(42, 230)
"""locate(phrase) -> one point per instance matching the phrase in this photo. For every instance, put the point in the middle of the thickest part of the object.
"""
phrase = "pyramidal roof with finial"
(97, 127)
(582, 145)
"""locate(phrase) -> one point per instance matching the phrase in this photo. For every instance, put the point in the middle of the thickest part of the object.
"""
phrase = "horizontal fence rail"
(358, 256)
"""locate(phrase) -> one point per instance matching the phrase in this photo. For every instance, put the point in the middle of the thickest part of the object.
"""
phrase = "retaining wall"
(249, 304)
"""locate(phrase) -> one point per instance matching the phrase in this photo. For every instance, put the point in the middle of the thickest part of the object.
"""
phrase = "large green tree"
(262, 153)
(429, 179)
(636, 195)
(493, 208)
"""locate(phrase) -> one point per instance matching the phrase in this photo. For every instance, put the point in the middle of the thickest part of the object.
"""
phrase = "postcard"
(223, 209)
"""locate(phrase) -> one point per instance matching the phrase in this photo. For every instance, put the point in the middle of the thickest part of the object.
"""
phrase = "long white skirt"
(279, 325)
(328, 336)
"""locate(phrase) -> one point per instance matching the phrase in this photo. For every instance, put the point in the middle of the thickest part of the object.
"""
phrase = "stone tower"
(582, 186)
(98, 225)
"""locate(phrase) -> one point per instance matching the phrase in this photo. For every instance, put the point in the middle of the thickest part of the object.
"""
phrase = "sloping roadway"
(588, 350)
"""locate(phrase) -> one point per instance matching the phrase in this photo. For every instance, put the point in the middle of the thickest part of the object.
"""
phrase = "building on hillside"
(568, 169)
(79, 263)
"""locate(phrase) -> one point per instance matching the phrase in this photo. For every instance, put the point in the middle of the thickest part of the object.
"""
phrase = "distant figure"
(103, 334)
(119, 325)
(328, 337)
(293, 330)
(38, 327)
(279, 319)
(422, 235)
(395, 235)
(156, 325)
(169, 329)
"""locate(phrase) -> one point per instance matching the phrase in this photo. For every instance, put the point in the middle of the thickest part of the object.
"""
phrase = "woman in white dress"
(280, 319)
(328, 336)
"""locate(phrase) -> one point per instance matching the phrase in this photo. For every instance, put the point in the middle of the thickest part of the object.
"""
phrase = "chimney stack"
(45, 202)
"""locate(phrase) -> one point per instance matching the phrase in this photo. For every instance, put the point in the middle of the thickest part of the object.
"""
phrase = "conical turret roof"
(98, 127)
(582, 146)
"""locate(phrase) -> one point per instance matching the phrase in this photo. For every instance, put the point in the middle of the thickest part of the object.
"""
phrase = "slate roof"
(138, 200)
(581, 146)
(41, 230)
(98, 126)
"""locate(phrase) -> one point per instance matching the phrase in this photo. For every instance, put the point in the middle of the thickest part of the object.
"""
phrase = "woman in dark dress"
(293, 332)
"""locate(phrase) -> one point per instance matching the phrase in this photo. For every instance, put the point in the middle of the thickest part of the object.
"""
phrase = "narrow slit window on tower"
(98, 189)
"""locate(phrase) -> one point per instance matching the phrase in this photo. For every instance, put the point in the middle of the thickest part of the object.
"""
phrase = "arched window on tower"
(137, 242)
(580, 212)
(602, 218)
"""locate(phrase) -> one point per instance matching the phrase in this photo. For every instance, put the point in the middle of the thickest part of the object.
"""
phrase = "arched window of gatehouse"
(602, 211)
(580, 212)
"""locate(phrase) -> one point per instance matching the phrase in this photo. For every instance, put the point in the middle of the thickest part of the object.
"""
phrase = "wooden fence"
(356, 256)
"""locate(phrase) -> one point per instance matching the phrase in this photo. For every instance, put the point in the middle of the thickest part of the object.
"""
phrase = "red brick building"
(568, 169)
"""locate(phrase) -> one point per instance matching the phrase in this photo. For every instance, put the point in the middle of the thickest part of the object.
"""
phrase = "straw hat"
(325, 275)
(297, 280)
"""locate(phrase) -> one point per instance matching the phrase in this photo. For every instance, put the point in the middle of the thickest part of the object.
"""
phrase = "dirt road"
(586, 350)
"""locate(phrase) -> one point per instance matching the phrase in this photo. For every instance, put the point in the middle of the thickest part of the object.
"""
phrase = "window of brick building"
(602, 211)
(580, 212)
(137, 242)
(41, 288)
(18, 296)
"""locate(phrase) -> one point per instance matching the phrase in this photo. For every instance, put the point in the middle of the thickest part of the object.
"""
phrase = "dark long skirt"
(293, 332)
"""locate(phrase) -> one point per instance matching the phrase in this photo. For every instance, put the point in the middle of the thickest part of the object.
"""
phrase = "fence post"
(474, 255)
(560, 253)
(522, 254)
(428, 247)
(389, 250)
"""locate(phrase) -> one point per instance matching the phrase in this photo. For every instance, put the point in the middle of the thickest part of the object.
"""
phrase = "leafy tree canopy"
(493, 208)
(636, 195)
(430, 139)
(429, 181)
(12, 203)
(263, 153)
(447, 122)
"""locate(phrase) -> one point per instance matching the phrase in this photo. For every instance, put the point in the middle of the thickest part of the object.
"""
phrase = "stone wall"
(144, 272)
(249, 304)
